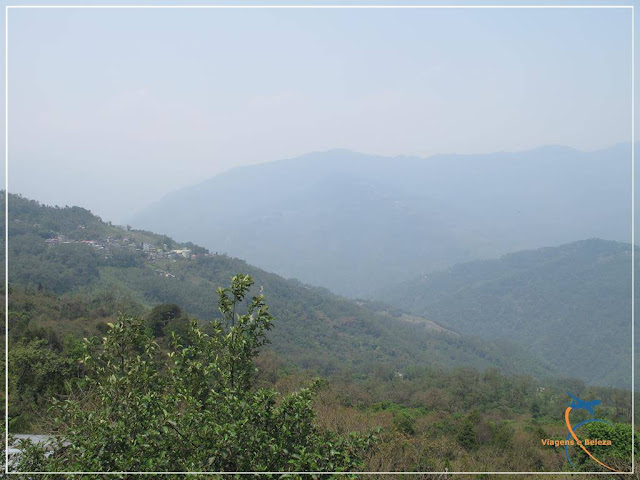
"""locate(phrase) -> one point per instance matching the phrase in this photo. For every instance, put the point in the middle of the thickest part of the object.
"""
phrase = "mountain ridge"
(559, 303)
(348, 151)
(408, 215)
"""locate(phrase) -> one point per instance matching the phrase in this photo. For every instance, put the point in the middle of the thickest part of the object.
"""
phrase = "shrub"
(193, 409)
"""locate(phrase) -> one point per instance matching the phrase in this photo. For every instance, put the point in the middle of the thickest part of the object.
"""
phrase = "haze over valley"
(355, 223)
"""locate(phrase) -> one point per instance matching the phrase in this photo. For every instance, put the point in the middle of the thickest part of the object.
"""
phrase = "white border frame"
(241, 7)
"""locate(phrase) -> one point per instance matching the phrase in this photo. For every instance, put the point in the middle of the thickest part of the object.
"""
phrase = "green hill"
(570, 305)
(71, 255)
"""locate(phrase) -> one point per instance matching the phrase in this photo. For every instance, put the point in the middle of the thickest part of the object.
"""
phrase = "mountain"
(570, 305)
(70, 271)
(353, 222)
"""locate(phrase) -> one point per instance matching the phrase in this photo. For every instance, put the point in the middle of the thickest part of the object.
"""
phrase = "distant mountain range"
(570, 305)
(354, 223)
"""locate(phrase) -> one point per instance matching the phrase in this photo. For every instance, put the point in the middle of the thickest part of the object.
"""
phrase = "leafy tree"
(196, 249)
(467, 436)
(617, 455)
(404, 423)
(535, 409)
(193, 409)
(161, 315)
(164, 240)
(125, 258)
(36, 373)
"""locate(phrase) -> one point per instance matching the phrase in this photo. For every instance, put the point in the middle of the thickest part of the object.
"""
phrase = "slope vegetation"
(570, 305)
(72, 255)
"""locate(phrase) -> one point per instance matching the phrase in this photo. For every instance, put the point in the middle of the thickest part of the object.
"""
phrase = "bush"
(617, 455)
(193, 409)
(162, 315)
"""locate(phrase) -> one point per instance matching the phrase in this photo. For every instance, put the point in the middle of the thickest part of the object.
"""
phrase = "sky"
(111, 109)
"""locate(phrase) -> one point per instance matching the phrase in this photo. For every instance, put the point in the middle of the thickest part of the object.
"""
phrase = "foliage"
(550, 301)
(616, 455)
(196, 249)
(61, 269)
(467, 434)
(163, 315)
(36, 373)
(193, 409)
(404, 423)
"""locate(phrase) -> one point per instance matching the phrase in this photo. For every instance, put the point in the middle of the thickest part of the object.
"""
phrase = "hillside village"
(112, 243)
(107, 246)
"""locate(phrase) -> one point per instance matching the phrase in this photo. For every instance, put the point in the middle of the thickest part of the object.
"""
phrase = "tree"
(36, 373)
(193, 408)
(162, 315)
(467, 436)
(196, 249)
(617, 455)
(164, 240)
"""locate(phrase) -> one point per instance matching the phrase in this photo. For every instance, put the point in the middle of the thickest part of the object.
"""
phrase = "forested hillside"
(69, 254)
(562, 304)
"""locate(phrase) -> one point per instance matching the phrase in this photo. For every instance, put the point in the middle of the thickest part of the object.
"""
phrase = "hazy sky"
(111, 109)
